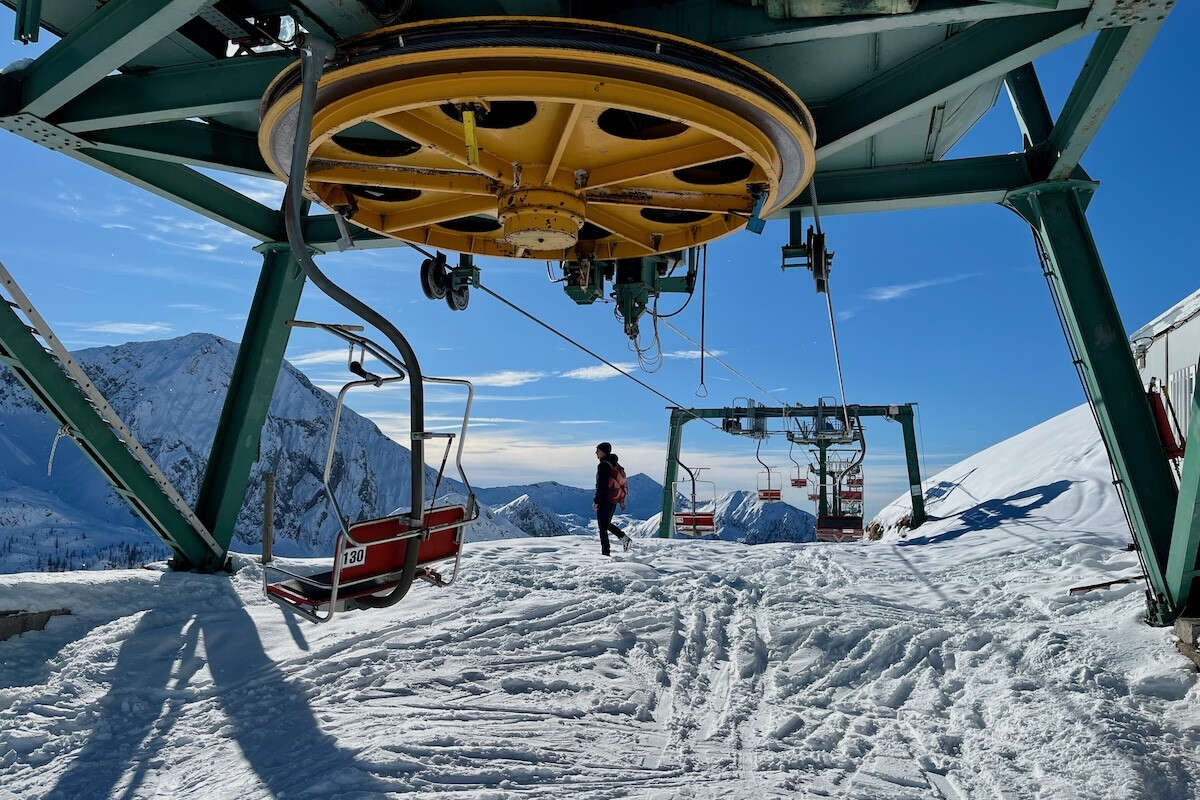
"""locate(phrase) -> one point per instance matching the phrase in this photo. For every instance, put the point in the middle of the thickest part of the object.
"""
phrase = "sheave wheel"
(457, 299)
(433, 278)
(593, 140)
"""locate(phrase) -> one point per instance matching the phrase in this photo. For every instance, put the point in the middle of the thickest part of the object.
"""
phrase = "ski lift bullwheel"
(589, 139)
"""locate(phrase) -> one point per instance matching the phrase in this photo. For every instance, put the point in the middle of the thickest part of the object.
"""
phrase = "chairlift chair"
(841, 528)
(694, 521)
(374, 561)
(769, 489)
(370, 556)
(799, 475)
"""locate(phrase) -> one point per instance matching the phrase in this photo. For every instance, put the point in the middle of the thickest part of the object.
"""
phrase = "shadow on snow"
(151, 691)
(991, 514)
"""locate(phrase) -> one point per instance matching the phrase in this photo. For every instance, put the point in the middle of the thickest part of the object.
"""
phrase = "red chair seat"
(701, 522)
(770, 494)
(376, 565)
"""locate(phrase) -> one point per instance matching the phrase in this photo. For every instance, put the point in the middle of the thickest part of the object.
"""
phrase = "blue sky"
(945, 308)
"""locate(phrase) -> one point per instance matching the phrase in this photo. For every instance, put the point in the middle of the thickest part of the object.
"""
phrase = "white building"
(1167, 348)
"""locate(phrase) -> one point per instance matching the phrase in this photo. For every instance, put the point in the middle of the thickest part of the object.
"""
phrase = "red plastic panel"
(380, 559)
(770, 494)
(1166, 433)
(699, 521)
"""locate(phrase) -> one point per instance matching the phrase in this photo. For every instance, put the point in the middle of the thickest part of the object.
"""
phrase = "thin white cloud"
(460, 396)
(268, 192)
(600, 372)
(197, 307)
(899, 290)
(692, 354)
(507, 377)
(334, 356)
(126, 328)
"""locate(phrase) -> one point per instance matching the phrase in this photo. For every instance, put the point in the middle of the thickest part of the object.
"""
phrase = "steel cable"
(593, 354)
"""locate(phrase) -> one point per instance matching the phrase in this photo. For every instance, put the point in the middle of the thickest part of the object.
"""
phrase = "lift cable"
(922, 458)
(837, 356)
(593, 354)
(726, 365)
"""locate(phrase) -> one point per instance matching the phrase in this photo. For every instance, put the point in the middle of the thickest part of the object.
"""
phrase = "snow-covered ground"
(951, 664)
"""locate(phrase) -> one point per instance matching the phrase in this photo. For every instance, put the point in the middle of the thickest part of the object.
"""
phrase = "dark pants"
(604, 515)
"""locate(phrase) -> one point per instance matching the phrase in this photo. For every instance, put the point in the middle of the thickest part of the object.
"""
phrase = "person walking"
(609, 492)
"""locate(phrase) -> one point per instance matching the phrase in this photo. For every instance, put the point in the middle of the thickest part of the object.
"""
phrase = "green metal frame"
(45, 379)
(1055, 210)
(1182, 566)
(902, 413)
(236, 441)
(140, 126)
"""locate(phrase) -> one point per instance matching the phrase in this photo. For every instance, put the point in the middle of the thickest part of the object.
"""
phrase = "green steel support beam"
(321, 232)
(190, 189)
(960, 181)
(104, 41)
(739, 26)
(681, 416)
(1094, 328)
(666, 522)
(823, 480)
(1109, 66)
(260, 357)
(1182, 563)
(1029, 105)
(912, 460)
(188, 142)
(964, 61)
(28, 21)
(173, 93)
(63, 400)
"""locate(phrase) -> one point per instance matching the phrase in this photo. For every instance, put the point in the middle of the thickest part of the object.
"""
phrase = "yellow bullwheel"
(543, 138)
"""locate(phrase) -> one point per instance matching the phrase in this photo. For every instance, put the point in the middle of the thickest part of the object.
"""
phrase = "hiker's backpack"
(618, 487)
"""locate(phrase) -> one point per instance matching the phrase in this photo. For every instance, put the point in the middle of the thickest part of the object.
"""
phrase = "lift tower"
(757, 416)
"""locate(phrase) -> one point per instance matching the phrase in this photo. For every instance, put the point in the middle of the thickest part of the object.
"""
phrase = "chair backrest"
(370, 560)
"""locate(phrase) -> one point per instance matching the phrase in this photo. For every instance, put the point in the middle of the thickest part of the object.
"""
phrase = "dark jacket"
(603, 473)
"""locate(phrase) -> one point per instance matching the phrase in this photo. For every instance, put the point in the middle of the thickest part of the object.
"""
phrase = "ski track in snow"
(789, 671)
(949, 666)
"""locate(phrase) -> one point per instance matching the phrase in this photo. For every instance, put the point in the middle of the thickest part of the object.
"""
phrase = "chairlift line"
(726, 365)
(592, 353)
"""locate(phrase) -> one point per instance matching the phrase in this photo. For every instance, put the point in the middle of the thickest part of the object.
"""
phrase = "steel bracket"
(38, 131)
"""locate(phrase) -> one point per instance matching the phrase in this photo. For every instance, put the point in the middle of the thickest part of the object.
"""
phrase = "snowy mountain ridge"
(742, 517)
(170, 394)
(645, 497)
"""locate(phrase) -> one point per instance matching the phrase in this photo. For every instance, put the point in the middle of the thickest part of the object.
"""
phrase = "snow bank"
(1050, 486)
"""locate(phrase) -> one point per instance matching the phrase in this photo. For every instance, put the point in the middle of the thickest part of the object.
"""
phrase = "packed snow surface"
(951, 664)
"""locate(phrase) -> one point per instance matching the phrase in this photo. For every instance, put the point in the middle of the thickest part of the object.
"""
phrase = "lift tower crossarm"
(110, 37)
(902, 413)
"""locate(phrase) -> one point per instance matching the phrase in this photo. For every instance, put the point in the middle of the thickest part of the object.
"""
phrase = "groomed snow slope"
(951, 665)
